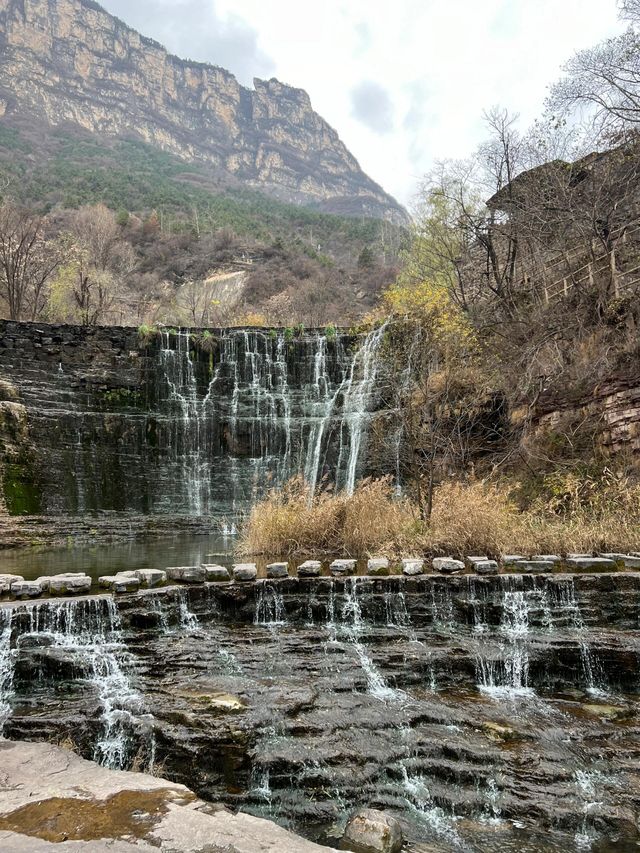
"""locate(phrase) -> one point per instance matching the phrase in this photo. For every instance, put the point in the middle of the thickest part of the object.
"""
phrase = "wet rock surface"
(51, 798)
(483, 713)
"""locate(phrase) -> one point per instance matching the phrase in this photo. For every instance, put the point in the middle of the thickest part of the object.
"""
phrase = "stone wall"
(177, 422)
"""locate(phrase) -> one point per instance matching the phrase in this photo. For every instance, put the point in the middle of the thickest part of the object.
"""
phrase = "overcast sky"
(404, 82)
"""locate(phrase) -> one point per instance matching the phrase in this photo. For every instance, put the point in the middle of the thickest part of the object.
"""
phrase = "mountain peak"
(70, 61)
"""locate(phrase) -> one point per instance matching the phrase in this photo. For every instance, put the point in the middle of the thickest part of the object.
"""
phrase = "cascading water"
(252, 416)
(188, 621)
(6, 666)
(509, 672)
(353, 626)
(570, 612)
(89, 632)
(270, 607)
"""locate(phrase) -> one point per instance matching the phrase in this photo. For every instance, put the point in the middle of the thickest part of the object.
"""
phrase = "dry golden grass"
(467, 518)
(288, 523)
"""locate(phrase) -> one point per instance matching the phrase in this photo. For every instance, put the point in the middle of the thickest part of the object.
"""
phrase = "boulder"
(151, 577)
(26, 589)
(373, 831)
(586, 564)
(343, 567)
(447, 565)
(69, 584)
(412, 566)
(244, 572)
(485, 567)
(7, 580)
(310, 569)
(378, 566)
(216, 574)
(186, 574)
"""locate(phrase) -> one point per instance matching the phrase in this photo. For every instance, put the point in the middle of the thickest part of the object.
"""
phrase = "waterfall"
(188, 620)
(570, 610)
(259, 409)
(6, 666)
(270, 609)
(357, 401)
(353, 626)
(509, 673)
(89, 631)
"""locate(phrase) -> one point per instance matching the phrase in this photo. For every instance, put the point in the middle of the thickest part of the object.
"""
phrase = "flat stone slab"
(485, 567)
(7, 580)
(245, 572)
(343, 567)
(447, 565)
(628, 560)
(586, 563)
(412, 566)
(26, 589)
(151, 577)
(553, 558)
(534, 566)
(310, 569)
(216, 574)
(186, 574)
(48, 790)
(513, 558)
(69, 584)
(378, 566)
(278, 570)
(120, 583)
(476, 559)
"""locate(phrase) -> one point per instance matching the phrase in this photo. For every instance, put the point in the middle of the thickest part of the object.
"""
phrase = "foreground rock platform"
(53, 800)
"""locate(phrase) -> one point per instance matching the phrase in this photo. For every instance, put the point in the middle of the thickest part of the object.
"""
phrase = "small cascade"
(442, 607)
(188, 621)
(587, 785)
(89, 631)
(569, 611)
(509, 672)
(270, 609)
(397, 615)
(420, 802)
(353, 625)
(6, 666)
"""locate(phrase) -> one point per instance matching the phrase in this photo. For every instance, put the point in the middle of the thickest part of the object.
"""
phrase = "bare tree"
(604, 80)
(27, 261)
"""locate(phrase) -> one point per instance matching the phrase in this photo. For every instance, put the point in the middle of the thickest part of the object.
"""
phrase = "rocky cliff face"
(70, 61)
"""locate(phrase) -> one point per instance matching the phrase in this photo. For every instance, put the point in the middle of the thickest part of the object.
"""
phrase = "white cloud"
(372, 106)
(441, 62)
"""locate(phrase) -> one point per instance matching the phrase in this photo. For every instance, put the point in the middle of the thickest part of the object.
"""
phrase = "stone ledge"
(51, 799)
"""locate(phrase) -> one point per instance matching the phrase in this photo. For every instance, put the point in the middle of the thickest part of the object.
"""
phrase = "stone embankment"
(16, 587)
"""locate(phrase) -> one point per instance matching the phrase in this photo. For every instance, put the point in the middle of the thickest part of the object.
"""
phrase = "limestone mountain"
(70, 62)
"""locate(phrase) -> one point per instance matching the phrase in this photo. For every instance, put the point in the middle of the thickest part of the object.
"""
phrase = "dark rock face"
(69, 61)
(455, 704)
(113, 422)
